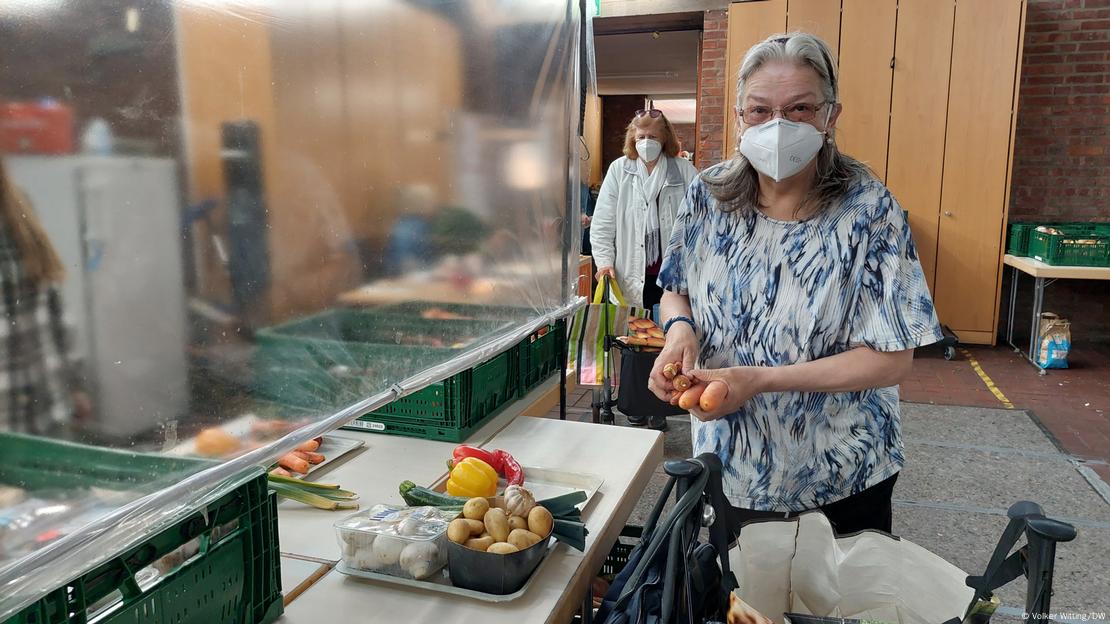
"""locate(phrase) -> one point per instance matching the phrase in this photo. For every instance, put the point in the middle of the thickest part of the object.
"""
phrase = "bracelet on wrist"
(678, 319)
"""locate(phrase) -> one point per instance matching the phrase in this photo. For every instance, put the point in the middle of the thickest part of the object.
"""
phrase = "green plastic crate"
(1018, 244)
(341, 356)
(539, 355)
(467, 311)
(233, 579)
(452, 409)
(1075, 246)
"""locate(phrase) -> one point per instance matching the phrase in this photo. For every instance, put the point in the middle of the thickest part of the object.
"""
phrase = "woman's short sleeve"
(895, 310)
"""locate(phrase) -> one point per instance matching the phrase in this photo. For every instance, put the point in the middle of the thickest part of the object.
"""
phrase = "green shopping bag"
(606, 315)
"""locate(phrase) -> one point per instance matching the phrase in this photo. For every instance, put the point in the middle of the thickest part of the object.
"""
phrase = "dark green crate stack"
(339, 357)
(234, 579)
(452, 409)
(1086, 244)
(1018, 243)
(539, 355)
(1078, 244)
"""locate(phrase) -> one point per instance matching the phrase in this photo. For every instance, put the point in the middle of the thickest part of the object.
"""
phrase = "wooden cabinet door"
(866, 49)
(816, 17)
(981, 100)
(918, 113)
(748, 24)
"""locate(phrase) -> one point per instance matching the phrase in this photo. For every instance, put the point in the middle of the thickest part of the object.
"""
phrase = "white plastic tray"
(544, 483)
(441, 581)
(332, 448)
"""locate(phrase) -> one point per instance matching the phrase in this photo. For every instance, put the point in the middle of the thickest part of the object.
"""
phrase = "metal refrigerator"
(116, 222)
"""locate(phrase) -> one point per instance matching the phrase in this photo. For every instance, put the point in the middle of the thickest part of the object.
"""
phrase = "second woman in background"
(636, 209)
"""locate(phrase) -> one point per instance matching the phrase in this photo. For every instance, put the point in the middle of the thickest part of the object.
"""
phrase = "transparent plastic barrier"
(260, 202)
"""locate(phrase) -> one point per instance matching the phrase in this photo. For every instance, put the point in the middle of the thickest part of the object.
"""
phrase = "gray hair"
(737, 184)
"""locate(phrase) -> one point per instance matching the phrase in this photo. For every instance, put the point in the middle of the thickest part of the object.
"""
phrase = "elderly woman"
(635, 212)
(792, 278)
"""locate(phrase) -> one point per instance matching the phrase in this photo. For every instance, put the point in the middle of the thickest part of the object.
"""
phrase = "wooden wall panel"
(919, 111)
(225, 70)
(311, 235)
(748, 24)
(592, 172)
(977, 153)
(816, 17)
(866, 49)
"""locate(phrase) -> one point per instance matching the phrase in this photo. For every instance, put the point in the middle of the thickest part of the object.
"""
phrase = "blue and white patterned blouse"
(771, 293)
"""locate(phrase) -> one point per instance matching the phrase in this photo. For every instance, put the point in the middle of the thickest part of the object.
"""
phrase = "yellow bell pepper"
(472, 478)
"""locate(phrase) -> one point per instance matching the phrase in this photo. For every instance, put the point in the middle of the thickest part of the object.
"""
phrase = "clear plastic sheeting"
(261, 219)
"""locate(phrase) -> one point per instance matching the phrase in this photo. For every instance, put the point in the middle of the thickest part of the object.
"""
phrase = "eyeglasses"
(654, 113)
(758, 113)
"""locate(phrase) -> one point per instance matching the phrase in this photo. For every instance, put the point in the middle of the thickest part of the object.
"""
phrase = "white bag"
(799, 566)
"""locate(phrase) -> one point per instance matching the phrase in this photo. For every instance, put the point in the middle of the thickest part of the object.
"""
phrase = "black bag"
(671, 576)
(634, 398)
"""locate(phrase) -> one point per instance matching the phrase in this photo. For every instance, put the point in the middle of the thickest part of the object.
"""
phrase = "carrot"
(309, 446)
(281, 472)
(714, 395)
(294, 463)
(689, 399)
(312, 458)
(681, 382)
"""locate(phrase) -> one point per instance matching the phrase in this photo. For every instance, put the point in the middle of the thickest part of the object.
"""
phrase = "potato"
(497, 523)
(540, 521)
(476, 526)
(502, 548)
(516, 522)
(475, 508)
(523, 538)
(458, 531)
(479, 543)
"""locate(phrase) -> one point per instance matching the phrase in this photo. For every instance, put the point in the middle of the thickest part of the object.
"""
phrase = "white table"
(625, 458)
(1040, 272)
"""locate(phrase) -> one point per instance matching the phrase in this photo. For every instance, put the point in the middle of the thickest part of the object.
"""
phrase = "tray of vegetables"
(504, 519)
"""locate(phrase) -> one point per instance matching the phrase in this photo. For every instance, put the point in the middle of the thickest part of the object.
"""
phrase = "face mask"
(648, 149)
(781, 148)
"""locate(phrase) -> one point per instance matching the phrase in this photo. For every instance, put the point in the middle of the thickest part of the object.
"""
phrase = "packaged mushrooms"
(409, 542)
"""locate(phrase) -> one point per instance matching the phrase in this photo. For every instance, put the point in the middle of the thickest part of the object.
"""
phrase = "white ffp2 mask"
(648, 149)
(781, 148)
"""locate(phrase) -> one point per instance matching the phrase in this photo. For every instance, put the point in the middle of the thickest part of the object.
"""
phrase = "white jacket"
(617, 229)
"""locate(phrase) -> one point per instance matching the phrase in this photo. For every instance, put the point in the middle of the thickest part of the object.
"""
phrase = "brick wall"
(712, 85)
(685, 132)
(1062, 148)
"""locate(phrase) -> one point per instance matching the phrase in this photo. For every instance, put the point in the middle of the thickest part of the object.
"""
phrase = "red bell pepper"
(501, 461)
(510, 468)
(463, 451)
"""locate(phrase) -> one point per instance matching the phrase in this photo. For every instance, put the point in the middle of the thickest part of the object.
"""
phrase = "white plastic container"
(408, 542)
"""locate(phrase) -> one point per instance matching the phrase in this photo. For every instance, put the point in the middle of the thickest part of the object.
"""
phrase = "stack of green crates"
(338, 357)
(1077, 244)
(540, 354)
(1080, 244)
(233, 579)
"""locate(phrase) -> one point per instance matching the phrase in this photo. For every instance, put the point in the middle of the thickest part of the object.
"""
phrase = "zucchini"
(416, 496)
